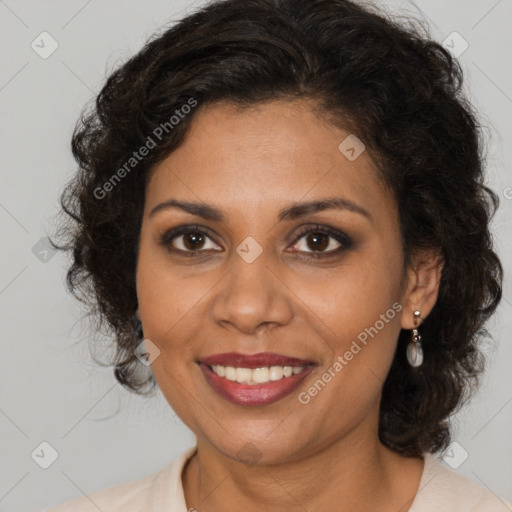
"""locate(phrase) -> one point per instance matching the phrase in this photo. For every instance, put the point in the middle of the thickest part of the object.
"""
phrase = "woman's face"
(254, 283)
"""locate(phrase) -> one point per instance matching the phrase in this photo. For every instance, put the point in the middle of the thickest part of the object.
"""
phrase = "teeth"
(230, 373)
(276, 372)
(256, 375)
(243, 374)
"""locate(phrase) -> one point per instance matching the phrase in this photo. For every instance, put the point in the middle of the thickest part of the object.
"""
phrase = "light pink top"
(440, 490)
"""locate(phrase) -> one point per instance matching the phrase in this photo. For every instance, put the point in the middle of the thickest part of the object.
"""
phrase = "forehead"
(265, 155)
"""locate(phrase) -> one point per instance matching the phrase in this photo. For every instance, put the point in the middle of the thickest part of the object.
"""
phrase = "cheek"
(165, 302)
(356, 310)
(360, 324)
(351, 297)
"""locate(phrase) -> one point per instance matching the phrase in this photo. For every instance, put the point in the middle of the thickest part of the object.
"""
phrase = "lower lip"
(254, 394)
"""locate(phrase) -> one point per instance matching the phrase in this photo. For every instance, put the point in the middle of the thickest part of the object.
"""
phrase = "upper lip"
(235, 359)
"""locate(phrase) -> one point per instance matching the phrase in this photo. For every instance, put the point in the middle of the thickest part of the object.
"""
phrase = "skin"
(250, 164)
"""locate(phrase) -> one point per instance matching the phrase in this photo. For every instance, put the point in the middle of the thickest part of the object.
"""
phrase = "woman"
(284, 199)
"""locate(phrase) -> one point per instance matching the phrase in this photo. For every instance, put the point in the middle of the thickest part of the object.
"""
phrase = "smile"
(256, 376)
(254, 379)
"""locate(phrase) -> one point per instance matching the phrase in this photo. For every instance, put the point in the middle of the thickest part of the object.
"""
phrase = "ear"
(422, 288)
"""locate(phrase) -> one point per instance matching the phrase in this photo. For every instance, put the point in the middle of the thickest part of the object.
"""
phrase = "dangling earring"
(414, 349)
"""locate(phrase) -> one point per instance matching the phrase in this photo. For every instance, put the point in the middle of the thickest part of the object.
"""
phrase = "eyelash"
(342, 238)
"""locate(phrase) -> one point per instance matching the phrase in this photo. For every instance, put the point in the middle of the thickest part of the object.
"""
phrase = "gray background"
(52, 390)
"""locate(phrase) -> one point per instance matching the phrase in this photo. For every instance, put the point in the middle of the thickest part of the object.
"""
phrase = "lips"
(254, 394)
(252, 361)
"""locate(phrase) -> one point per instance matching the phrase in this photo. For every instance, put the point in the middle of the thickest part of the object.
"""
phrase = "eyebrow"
(291, 212)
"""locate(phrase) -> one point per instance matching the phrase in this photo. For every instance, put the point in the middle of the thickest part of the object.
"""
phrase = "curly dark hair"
(388, 83)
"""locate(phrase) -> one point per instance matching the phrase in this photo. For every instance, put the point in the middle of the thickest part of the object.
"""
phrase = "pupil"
(319, 241)
(193, 240)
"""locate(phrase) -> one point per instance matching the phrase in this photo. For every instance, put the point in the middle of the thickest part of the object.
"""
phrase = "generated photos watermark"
(157, 135)
(304, 397)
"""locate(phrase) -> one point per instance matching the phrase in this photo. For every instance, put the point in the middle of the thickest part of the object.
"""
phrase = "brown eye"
(317, 241)
(193, 241)
(321, 241)
(189, 240)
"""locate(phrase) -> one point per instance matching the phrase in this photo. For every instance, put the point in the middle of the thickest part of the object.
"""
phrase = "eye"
(189, 239)
(321, 241)
(316, 241)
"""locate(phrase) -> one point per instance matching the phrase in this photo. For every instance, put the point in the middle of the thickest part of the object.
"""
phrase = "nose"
(251, 297)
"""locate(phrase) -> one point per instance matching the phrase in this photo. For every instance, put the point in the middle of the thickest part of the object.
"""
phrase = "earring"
(414, 349)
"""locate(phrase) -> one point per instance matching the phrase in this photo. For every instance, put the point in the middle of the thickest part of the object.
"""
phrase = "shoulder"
(442, 489)
(157, 491)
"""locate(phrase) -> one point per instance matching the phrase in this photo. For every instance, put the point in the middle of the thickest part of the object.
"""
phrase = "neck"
(353, 473)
